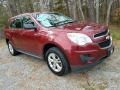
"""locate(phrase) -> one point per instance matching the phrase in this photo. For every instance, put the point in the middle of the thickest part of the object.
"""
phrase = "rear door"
(15, 30)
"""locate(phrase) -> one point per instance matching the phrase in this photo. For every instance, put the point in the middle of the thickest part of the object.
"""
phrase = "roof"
(32, 14)
(20, 15)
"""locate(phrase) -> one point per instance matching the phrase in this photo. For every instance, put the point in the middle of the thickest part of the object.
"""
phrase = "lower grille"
(105, 43)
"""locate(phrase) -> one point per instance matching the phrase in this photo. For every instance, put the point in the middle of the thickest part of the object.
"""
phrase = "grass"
(115, 32)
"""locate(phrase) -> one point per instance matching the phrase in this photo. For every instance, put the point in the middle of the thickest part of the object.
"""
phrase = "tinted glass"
(16, 23)
(12, 24)
(28, 23)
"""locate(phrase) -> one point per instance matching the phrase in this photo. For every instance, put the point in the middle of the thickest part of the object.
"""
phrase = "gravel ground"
(24, 72)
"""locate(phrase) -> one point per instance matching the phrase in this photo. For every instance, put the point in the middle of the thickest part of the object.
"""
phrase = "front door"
(30, 39)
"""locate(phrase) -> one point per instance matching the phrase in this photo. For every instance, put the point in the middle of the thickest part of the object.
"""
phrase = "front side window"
(52, 19)
(28, 23)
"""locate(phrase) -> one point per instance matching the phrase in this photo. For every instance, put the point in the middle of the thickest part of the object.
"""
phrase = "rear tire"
(11, 49)
(56, 61)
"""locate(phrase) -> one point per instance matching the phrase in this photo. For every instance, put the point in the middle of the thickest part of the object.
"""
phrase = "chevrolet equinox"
(66, 45)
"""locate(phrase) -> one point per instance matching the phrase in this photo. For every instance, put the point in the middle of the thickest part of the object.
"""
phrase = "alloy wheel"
(55, 62)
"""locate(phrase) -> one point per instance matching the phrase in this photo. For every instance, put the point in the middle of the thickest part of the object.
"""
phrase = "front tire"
(56, 61)
(11, 49)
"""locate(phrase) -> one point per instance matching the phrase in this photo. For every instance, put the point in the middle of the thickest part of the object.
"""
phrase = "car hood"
(83, 27)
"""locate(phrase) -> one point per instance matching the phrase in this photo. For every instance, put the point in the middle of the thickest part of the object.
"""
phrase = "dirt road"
(24, 72)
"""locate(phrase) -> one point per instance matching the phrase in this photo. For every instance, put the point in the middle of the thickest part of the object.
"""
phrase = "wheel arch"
(50, 45)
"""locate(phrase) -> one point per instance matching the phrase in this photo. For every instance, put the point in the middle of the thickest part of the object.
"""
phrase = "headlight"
(78, 38)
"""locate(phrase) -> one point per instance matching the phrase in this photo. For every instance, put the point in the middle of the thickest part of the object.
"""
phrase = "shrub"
(116, 16)
(3, 22)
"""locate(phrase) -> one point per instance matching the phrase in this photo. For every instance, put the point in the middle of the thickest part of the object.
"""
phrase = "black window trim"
(31, 19)
(21, 16)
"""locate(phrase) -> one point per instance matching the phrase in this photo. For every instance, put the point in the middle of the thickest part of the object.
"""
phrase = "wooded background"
(99, 11)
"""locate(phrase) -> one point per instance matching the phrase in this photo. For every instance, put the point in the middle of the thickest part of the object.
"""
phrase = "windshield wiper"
(64, 22)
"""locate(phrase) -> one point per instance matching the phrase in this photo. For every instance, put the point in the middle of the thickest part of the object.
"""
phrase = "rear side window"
(17, 23)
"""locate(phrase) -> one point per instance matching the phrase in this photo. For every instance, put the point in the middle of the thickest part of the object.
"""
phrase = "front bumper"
(84, 67)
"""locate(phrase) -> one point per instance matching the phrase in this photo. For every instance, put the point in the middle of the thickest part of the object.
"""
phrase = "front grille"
(101, 34)
(105, 43)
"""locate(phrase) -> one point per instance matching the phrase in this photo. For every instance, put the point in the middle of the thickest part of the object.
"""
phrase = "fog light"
(86, 57)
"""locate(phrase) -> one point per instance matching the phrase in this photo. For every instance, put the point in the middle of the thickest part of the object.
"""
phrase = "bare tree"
(97, 11)
(91, 11)
(12, 6)
(74, 9)
(108, 11)
(80, 9)
(94, 10)
(67, 6)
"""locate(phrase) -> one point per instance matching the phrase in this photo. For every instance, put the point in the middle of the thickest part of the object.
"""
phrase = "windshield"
(52, 19)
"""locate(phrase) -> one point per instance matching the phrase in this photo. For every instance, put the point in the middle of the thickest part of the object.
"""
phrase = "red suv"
(67, 45)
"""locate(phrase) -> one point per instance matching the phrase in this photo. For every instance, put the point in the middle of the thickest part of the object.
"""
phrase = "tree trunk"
(97, 11)
(19, 6)
(67, 6)
(108, 12)
(91, 11)
(51, 5)
(74, 10)
(80, 9)
(12, 6)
